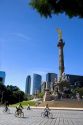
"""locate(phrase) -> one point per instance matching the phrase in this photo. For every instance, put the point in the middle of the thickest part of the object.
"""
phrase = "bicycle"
(7, 110)
(28, 108)
(19, 113)
(46, 114)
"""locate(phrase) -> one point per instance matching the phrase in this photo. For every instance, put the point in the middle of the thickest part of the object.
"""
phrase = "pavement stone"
(33, 117)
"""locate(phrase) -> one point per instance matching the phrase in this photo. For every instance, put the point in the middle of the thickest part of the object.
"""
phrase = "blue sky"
(28, 42)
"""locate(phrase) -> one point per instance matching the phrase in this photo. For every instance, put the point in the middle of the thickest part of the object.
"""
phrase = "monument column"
(60, 45)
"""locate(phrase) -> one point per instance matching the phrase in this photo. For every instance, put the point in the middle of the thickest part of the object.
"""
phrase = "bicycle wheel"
(50, 115)
(16, 113)
(19, 114)
(42, 114)
(22, 114)
(8, 110)
(4, 110)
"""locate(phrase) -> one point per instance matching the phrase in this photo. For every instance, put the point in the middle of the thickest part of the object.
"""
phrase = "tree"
(2, 93)
(64, 85)
(40, 95)
(48, 7)
(12, 88)
(11, 93)
(78, 90)
(14, 94)
(18, 96)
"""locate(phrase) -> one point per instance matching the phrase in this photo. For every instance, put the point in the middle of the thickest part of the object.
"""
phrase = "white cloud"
(10, 36)
(23, 36)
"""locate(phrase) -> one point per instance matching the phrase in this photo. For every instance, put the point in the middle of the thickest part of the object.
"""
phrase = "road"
(33, 117)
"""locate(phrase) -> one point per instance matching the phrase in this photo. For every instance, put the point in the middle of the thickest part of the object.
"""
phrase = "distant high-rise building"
(75, 80)
(50, 79)
(28, 85)
(2, 77)
(36, 83)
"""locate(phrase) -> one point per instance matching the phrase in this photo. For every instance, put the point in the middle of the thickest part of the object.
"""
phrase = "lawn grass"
(24, 103)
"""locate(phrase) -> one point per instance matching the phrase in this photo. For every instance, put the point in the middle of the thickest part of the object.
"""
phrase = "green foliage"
(18, 96)
(25, 103)
(30, 97)
(12, 94)
(40, 95)
(3, 91)
(63, 84)
(79, 90)
(12, 88)
(31, 103)
(48, 7)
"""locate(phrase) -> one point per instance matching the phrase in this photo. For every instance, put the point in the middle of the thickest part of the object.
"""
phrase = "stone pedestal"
(47, 96)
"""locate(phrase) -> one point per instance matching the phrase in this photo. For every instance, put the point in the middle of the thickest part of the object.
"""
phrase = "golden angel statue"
(59, 33)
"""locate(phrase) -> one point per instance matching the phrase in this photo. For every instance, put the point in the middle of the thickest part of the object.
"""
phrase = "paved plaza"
(33, 117)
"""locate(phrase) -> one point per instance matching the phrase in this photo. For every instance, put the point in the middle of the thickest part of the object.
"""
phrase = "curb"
(59, 108)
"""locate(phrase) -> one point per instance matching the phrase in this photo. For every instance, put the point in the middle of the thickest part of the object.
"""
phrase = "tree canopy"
(10, 93)
(48, 7)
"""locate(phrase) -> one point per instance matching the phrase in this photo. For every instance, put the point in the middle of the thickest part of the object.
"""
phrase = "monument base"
(47, 96)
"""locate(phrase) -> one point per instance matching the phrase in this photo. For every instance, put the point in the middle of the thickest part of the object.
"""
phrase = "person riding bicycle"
(28, 108)
(19, 112)
(19, 108)
(46, 110)
(6, 106)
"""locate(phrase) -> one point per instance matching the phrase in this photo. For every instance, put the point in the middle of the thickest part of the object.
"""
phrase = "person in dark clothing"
(46, 110)
(19, 107)
(28, 108)
(6, 105)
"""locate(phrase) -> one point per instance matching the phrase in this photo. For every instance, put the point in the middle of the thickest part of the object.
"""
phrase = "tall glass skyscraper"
(36, 83)
(2, 77)
(50, 79)
(28, 85)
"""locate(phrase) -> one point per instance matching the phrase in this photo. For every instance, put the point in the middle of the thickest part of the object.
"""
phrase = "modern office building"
(75, 80)
(36, 83)
(2, 77)
(50, 79)
(28, 85)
